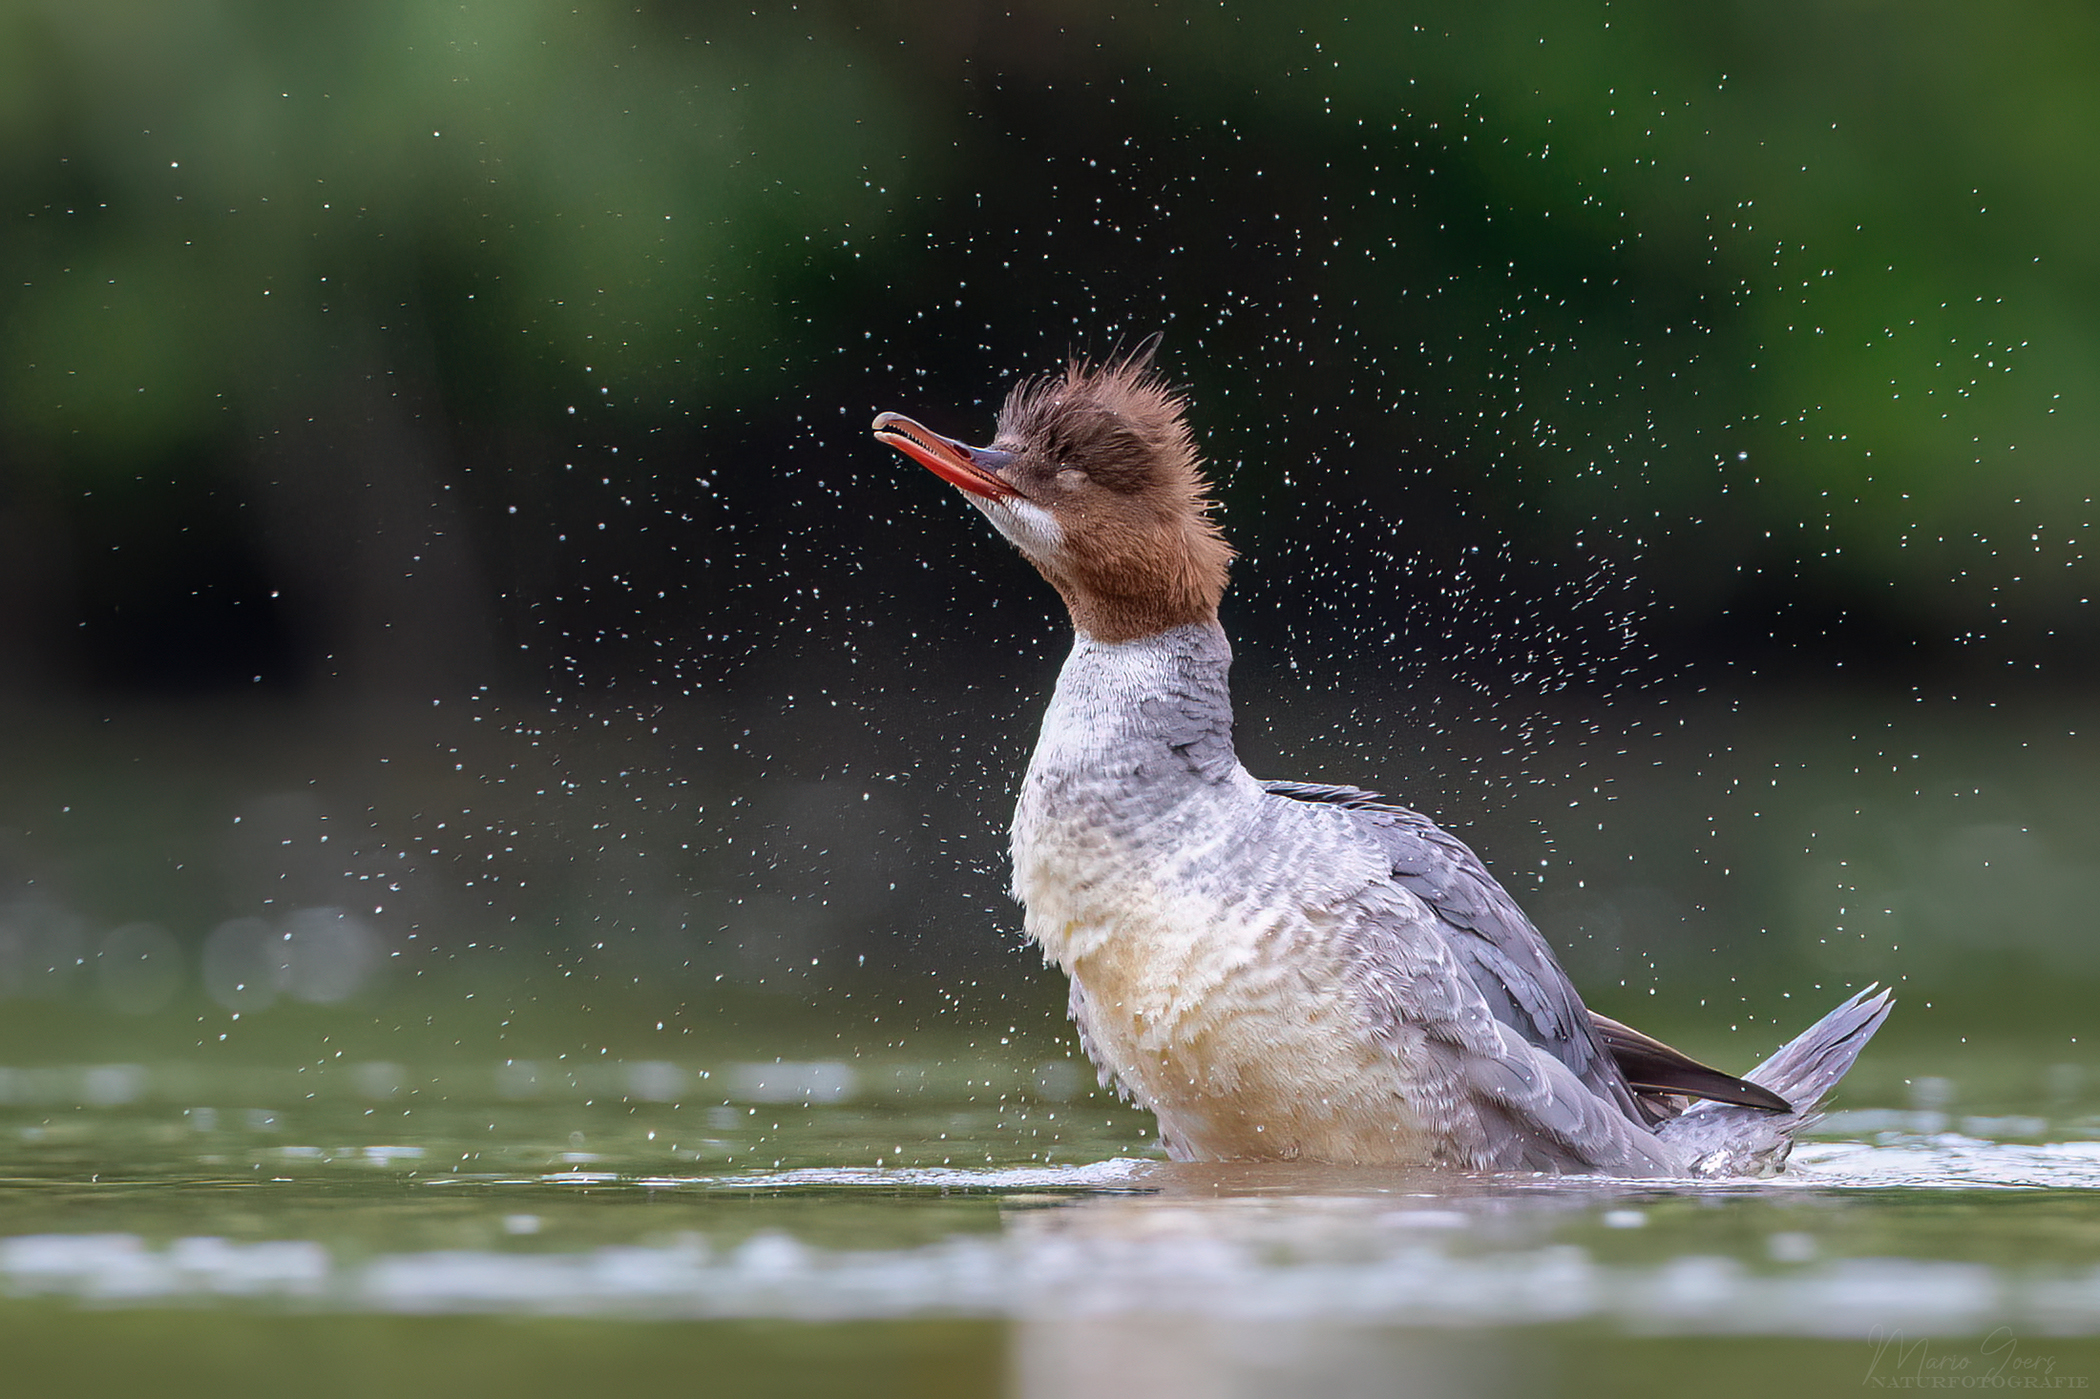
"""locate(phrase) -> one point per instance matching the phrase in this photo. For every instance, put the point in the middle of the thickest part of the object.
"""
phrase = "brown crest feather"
(1142, 553)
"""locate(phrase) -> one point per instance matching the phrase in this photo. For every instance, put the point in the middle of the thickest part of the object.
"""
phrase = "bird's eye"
(1071, 476)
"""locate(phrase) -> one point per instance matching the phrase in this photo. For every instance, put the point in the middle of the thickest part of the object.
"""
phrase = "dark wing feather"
(1353, 798)
(1502, 953)
(1653, 1067)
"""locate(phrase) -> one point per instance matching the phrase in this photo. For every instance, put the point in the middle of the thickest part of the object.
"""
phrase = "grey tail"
(1722, 1139)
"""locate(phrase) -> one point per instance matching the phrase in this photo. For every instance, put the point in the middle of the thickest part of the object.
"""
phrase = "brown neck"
(1145, 593)
(1114, 619)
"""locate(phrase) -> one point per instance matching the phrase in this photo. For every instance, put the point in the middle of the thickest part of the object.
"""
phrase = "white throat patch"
(1030, 528)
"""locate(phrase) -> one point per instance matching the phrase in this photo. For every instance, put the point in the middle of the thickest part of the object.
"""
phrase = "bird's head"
(1092, 475)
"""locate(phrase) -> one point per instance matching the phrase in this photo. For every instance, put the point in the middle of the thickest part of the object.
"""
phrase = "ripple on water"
(1135, 1238)
(1947, 1160)
(1411, 1278)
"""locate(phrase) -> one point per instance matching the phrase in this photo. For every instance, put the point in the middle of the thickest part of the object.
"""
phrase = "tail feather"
(1725, 1140)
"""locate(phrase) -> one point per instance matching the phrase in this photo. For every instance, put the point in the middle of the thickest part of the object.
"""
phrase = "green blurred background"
(444, 570)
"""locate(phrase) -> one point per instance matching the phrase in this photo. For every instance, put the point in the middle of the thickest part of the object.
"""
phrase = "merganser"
(1284, 970)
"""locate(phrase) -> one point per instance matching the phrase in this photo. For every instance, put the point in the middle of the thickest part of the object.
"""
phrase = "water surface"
(524, 1228)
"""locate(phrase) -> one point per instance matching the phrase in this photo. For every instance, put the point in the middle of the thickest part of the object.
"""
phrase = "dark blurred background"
(440, 543)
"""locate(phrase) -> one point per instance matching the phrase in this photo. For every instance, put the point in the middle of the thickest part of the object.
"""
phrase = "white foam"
(1946, 1160)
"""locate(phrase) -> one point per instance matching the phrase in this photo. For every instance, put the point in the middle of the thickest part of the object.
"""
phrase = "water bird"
(1292, 970)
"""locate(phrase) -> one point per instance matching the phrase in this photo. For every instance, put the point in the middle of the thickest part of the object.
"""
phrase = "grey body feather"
(1254, 902)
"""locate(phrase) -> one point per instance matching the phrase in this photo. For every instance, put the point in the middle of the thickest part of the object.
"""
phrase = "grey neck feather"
(1134, 769)
(1132, 729)
(1161, 702)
